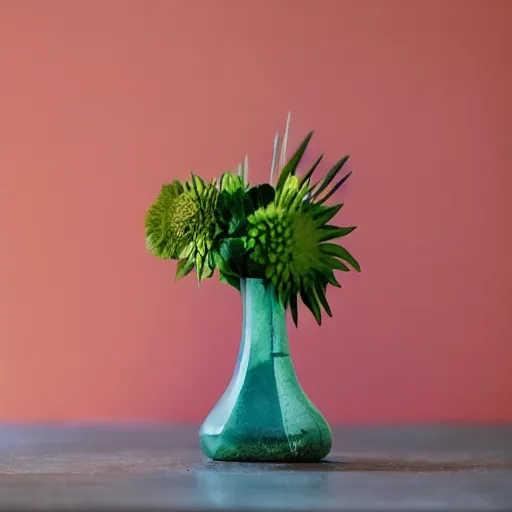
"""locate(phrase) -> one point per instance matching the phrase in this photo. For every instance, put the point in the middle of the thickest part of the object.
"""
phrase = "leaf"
(178, 187)
(287, 293)
(332, 262)
(199, 266)
(329, 275)
(331, 232)
(186, 250)
(233, 250)
(323, 214)
(292, 164)
(231, 280)
(293, 309)
(224, 210)
(211, 261)
(320, 294)
(340, 252)
(308, 175)
(299, 197)
(330, 176)
(261, 195)
(184, 268)
(223, 265)
(237, 223)
(335, 188)
(232, 211)
(196, 186)
(309, 300)
(201, 182)
(208, 272)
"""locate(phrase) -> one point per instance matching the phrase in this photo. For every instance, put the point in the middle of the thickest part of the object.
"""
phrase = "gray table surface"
(161, 468)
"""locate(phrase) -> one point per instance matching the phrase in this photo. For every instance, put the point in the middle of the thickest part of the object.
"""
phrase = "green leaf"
(332, 262)
(299, 198)
(320, 294)
(329, 176)
(232, 248)
(292, 164)
(293, 308)
(201, 182)
(309, 299)
(199, 266)
(335, 188)
(184, 268)
(207, 272)
(232, 211)
(261, 195)
(331, 232)
(286, 295)
(237, 223)
(233, 251)
(329, 275)
(231, 280)
(308, 175)
(178, 187)
(340, 252)
(223, 265)
(211, 261)
(323, 214)
(196, 184)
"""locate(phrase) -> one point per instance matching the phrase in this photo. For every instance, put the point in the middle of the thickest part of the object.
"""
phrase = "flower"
(279, 234)
(289, 239)
(181, 225)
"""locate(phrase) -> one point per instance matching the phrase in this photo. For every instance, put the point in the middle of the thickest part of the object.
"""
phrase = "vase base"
(262, 450)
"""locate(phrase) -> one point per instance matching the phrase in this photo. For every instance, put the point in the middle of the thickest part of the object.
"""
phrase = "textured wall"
(102, 101)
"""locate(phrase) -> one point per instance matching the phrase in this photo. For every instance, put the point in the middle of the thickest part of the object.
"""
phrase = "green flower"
(281, 234)
(181, 225)
(290, 239)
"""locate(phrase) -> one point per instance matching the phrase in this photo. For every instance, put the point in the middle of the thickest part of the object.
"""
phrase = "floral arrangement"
(278, 233)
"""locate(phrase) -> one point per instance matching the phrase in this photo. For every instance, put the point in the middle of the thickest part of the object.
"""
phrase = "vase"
(264, 415)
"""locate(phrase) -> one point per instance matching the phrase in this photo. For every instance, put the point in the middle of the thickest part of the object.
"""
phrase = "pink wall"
(103, 101)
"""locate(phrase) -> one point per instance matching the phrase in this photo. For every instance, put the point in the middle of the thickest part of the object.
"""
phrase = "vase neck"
(264, 331)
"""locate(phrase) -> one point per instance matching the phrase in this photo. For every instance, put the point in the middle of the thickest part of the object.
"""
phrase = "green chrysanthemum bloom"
(288, 239)
(181, 225)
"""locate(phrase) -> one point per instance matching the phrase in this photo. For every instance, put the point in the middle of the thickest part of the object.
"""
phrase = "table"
(159, 467)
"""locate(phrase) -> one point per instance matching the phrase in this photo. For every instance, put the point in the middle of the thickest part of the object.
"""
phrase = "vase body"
(264, 415)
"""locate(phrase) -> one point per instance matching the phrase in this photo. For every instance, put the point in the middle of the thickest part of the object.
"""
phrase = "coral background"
(103, 101)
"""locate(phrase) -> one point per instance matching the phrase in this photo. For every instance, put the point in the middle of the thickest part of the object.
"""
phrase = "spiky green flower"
(289, 239)
(181, 225)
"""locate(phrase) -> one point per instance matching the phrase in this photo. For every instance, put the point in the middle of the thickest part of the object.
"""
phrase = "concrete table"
(161, 468)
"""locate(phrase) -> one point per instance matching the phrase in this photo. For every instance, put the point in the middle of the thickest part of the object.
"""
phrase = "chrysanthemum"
(291, 239)
(181, 225)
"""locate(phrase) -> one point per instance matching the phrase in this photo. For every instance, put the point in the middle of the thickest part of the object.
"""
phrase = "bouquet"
(281, 234)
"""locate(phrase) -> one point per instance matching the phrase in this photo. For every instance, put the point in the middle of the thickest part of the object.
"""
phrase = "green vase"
(264, 415)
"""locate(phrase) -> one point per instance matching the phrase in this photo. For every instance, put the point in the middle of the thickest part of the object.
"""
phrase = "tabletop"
(159, 467)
